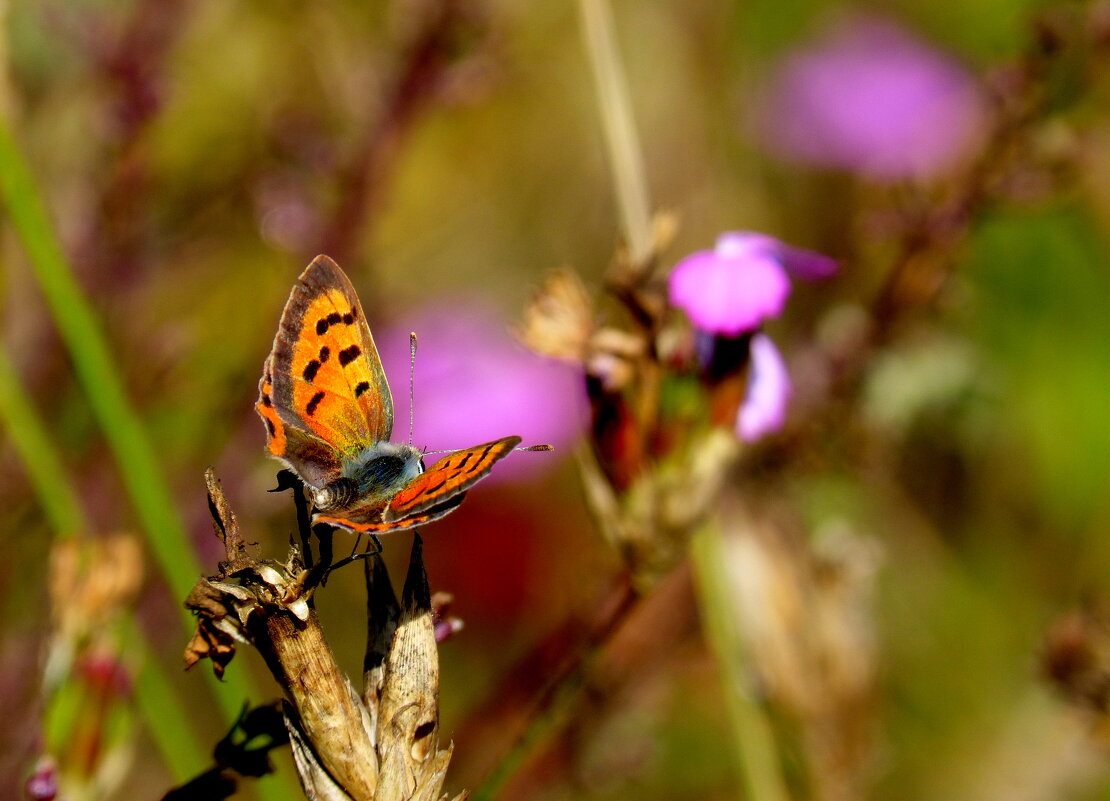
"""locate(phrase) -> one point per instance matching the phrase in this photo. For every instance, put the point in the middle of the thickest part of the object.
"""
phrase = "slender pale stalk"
(756, 753)
(625, 157)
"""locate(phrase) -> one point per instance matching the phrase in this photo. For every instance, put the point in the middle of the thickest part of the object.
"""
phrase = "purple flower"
(764, 408)
(42, 785)
(733, 288)
(869, 96)
(474, 384)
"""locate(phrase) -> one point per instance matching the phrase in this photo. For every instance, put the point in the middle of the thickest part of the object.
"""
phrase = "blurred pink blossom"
(769, 389)
(743, 281)
(475, 383)
(42, 784)
(871, 97)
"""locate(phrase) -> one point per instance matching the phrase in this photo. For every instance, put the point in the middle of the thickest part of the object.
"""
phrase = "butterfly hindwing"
(314, 460)
(327, 378)
(450, 476)
(368, 518)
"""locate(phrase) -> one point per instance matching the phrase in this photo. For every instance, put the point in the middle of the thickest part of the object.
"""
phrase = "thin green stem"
(44, 465)
(756, 752)
(96, 371)
(166, 719)
(625, 156)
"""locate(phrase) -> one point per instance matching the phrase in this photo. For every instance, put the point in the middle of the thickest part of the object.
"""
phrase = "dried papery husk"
(650, 522)
(380, 745)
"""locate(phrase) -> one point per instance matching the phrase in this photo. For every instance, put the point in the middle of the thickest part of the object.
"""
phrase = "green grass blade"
(164, 716)
(103, 386)
(96, 370)
(44, 466)
(757, 752)
(123, 430)
(168, 722)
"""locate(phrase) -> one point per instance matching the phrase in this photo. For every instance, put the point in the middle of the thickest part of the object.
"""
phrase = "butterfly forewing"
(326, 373)
(450, 476)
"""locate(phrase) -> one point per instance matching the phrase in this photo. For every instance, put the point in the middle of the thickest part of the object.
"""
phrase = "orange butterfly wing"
(450, 476)
(323, 393)
(431, 495)
(357, 520)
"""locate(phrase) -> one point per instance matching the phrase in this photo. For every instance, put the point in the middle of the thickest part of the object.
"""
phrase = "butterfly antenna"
(412, 381)
(525, 448)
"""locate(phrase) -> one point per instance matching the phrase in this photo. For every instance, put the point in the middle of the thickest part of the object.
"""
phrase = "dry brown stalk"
(380, 745)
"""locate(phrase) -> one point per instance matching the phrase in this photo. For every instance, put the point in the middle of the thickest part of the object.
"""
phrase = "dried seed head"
(559, 320)
(91, 579)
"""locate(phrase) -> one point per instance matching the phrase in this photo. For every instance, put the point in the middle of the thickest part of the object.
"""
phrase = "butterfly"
(328, 413)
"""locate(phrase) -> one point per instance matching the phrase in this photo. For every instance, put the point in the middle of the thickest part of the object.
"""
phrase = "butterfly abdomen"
(341, 492)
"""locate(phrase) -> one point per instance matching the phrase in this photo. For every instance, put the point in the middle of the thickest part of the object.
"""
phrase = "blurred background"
(952, 511)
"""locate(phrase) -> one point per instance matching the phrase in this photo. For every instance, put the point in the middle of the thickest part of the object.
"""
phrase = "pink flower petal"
(474, 384)
(769, 389)
(732, 289)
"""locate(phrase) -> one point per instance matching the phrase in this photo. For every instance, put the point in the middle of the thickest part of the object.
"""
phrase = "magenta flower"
(728, 293)
(871, 97)
(733, 288)
(474, 383)
(43, 784)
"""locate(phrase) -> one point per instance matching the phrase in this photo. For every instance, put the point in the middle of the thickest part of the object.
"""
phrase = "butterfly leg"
(358, 542)
(356, 555)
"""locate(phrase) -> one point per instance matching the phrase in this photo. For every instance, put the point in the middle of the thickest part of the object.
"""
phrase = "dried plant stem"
(560, 692)
(412, 89)
(756, 753)
(332, 718)
(380, 744)
(625, 157)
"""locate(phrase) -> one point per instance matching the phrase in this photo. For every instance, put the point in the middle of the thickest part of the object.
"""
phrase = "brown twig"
(560, 687)
(414, 87)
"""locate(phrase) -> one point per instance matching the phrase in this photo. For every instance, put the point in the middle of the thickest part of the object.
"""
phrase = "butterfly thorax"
(379, 471)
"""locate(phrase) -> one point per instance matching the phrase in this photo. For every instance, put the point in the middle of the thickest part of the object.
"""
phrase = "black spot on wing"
(322, 326)
(361, 387)
(266, 401)
(349, 318)
(310, 409)
(465, 459)
(436, 487)
(348, 355)
(269, 426)
(335, 318)
(310, 370)
(325, 354)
